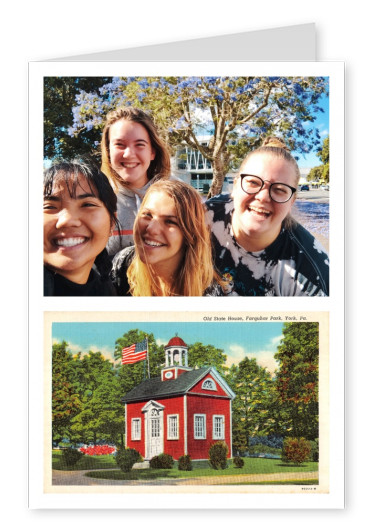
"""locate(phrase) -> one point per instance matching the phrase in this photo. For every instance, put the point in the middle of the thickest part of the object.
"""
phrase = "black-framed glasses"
(278, 192)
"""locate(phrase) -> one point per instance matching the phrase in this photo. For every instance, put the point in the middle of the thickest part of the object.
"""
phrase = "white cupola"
(176, 359)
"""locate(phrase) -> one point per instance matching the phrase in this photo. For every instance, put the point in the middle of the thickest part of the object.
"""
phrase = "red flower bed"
(103, 449)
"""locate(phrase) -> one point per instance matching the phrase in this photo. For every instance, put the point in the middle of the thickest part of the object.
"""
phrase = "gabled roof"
(155, 388)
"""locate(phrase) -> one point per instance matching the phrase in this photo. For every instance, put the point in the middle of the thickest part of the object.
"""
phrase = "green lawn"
(202, 469)
(97, 468)
(86, 462)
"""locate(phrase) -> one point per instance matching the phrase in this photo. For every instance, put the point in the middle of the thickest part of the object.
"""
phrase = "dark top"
(96, 286)
(295, 264)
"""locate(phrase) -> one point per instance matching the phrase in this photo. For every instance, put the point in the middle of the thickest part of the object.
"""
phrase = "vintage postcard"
(234, 403)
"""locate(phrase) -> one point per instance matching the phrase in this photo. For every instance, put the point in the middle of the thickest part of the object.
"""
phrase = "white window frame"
(136, 429)
(219, 436)
(202, 433)
(173, 434)
(209, 385)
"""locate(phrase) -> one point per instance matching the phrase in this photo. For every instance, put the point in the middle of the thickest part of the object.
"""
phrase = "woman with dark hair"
(79, 214)
(172, 255)
(259, 248)
(134, 157)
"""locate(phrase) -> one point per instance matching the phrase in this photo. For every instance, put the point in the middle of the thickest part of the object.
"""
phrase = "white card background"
(41, 30)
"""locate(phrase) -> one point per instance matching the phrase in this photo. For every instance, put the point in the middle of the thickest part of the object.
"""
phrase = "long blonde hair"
(160, 167)
(196, 272)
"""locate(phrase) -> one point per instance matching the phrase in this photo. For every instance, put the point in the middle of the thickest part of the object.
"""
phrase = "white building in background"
(190, 166)
(303, 175)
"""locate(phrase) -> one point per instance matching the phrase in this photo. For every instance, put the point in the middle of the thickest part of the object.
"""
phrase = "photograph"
(186, 186)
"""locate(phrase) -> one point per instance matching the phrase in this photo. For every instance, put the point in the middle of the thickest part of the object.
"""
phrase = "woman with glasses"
(259, 248)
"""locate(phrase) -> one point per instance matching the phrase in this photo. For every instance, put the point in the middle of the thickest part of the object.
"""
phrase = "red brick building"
(184, 411)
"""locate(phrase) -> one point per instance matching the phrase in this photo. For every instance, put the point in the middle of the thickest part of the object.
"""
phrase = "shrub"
(296, 450)
(218, 455)
(162, 461)
(238, 462)
(185, 463)
(314, 450)
(71, 456)
(126, 458)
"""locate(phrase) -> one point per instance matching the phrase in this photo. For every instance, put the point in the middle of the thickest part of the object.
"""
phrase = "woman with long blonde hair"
(172, 255)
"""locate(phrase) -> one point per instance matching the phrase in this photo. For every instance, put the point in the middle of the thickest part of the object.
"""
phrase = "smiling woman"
(172, 253)
(259, 249)
(134, 157)
(79, 213)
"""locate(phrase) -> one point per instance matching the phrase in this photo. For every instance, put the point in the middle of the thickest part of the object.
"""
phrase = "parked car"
(304, 188)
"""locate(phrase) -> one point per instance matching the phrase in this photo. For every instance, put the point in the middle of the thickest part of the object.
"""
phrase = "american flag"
(134, 353)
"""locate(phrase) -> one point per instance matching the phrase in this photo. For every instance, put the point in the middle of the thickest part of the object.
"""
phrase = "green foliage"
(126, 458)
(252, 407)
(297, 380)
(218, 455)
(238, 462)
(66, 401)
(315, 174)
(321, 173)
(296, 450)
(185, 463)
(162, 461)
(323, 153)
(314, 451)
(207, 356)
(59, 98)
(85, 398)
(71, 456)
(134, 374)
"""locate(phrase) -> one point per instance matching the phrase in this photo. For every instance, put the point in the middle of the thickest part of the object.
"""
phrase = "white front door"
(154, 441)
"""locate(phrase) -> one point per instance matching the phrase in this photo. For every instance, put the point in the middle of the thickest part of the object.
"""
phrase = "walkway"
(78, 478)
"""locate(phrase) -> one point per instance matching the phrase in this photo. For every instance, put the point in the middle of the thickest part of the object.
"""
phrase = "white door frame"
(154, 428)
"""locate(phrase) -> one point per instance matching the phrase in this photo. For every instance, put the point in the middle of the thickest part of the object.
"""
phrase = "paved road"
(316, 196)
(78, 478)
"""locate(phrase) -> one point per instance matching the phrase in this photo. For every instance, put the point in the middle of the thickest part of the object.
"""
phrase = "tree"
(253, 386)
(132, 375)
(59, 98)
(207, 356)
(297, 379)
(101, 414)
(66, 401)
(86, 397)
(236, 112)
(321, 173)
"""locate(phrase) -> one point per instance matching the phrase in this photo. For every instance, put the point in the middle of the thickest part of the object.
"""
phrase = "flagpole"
(147, 354)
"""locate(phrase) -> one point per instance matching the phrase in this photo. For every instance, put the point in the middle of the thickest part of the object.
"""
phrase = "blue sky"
(237, 339)
(311, 160)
